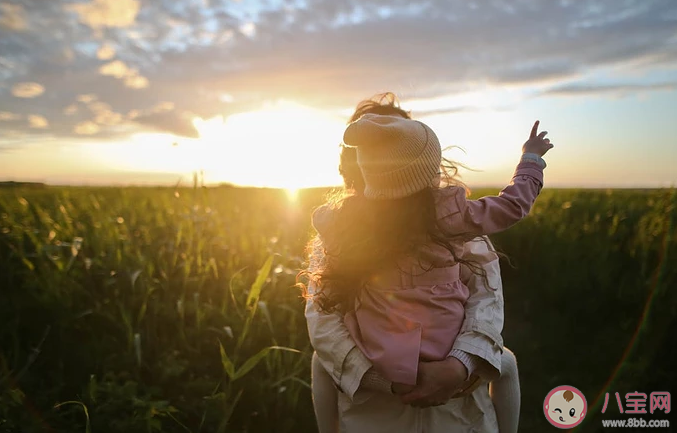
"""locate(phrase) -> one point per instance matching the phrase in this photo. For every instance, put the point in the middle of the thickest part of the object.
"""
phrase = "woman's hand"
(401, 388)
(537, 143)
(437, 382)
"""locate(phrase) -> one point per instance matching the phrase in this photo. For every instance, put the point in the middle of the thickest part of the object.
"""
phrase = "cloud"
(27, 90)
(108, 118)
(103, 115)
(87, 98)
(120, 70)
(12, 17)
(136, 82)
(248, 29)
(440, 111)
(226, 57)
(173, 122)
(426, 54)
(584, 89)
(163, 107)
(105, 52)
(6, 116)
(37, 122)
(106, 13)
(117, 69)
(98, 106)
(86, 128)
(70, 109)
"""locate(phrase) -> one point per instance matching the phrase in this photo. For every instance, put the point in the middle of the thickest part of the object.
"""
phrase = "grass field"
(161, 309)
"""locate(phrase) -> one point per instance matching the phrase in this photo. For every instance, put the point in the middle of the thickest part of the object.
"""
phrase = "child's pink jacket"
(407, 314)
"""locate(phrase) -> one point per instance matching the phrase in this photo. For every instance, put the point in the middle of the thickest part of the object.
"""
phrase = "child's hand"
(401, 388)
(537, 143)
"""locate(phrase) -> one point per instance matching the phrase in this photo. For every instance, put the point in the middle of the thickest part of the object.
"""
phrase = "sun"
(282, 145)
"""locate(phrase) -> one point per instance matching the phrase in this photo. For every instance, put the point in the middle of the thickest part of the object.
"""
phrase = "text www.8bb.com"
(636, 422)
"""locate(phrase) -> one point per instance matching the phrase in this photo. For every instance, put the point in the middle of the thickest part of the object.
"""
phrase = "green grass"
(157, 309)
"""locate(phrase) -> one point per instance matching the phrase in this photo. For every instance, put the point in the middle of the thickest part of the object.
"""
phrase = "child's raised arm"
(497, 213)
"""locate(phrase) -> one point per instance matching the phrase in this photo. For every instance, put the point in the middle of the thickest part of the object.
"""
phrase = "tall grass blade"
(251, 362)
(228, 366)
(88, 427)
(255, 291)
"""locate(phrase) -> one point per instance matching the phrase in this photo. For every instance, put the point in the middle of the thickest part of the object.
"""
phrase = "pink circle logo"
(565, 406)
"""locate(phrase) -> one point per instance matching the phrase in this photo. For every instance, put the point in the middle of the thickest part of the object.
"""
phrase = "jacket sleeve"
(480, 333)
(330, 338)
(493, 214)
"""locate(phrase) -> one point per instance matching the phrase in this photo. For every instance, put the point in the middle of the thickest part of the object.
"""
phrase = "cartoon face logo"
(565, 407)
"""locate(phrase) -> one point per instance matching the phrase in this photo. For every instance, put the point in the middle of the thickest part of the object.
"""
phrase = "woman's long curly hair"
(368, 235)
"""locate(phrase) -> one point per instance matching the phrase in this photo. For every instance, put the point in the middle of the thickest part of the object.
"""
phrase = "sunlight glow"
(285, 145)
(282, 145)
(149, 152)
(292, 194)
(488, 139)
(291, 146)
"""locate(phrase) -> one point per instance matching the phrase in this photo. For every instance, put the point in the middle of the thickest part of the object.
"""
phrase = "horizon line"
(13, 183)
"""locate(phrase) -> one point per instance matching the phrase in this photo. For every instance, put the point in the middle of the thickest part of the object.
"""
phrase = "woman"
(366, 402)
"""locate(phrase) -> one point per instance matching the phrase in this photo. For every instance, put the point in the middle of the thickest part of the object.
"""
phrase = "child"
(395, 275)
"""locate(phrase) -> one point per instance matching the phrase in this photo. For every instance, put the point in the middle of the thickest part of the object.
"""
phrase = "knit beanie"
(398, 157)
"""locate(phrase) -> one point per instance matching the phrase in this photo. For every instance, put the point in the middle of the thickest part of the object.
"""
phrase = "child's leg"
(325, 398)
(505, 394)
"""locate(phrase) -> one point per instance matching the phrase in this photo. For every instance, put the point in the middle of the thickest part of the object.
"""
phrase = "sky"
(257, 93)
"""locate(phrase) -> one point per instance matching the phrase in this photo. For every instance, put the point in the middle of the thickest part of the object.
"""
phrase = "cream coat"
(372, 412)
